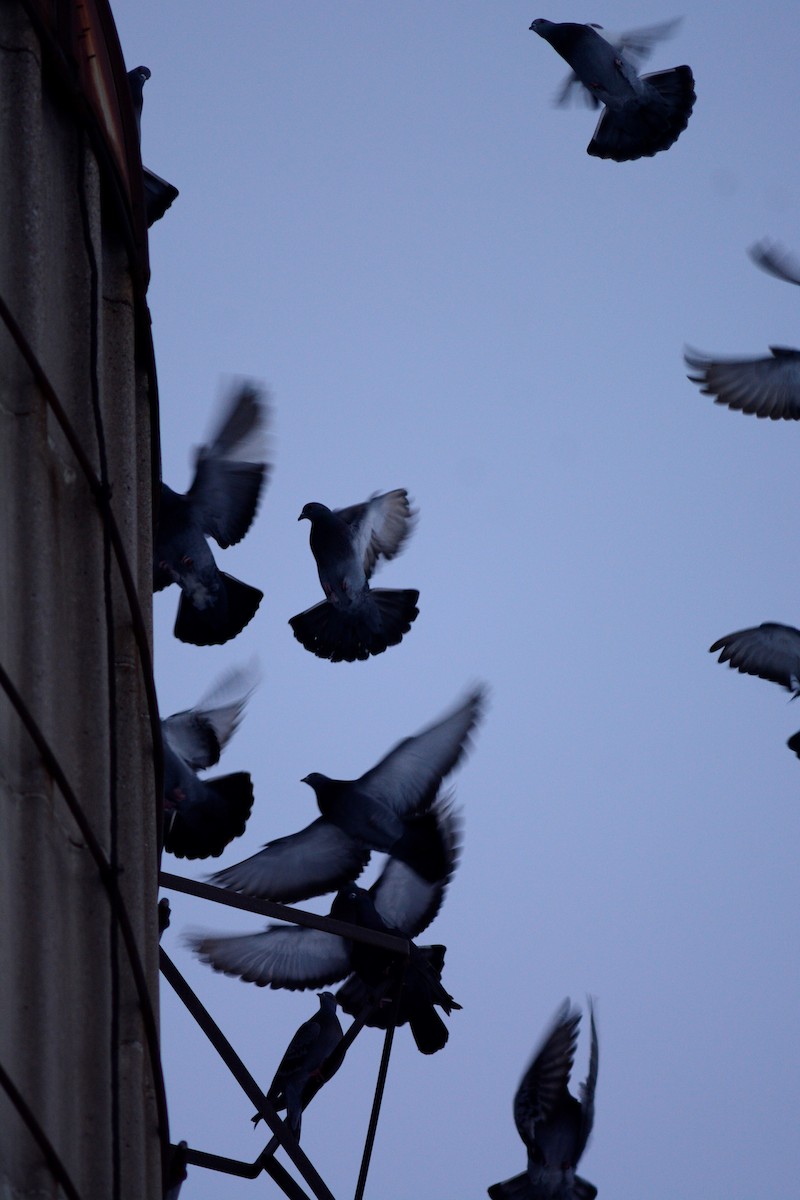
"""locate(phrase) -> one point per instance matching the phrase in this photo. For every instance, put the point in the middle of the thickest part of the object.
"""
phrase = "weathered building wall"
(72, 1031)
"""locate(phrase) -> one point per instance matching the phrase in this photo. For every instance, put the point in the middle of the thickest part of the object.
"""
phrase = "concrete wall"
(71, 1031)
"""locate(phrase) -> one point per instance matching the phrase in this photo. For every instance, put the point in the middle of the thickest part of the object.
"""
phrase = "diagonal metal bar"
(376, 1103)
(51, 1157)
(282, 912)
(243, 1077)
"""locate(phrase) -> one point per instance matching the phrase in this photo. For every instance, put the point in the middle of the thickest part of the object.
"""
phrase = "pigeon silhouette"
(389, 808)
(770, 651)
(158, 193)
(202, 816)
(767, 387)
(400, 902)
(221, 503)
(554, 1126)
(643, 114)
(355, 621)
(312, 1057)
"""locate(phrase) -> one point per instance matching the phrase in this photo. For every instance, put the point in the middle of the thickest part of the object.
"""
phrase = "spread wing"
(230, 470)
(317, 860)
(770, 651)
(408, 778)
(768, 387)
(380, 526)
(283, 956)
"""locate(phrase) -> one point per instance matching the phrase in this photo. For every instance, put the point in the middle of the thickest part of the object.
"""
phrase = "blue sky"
(384, 218)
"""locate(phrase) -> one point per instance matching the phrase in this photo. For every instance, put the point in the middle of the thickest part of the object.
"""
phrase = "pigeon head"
(312, 511)
(541, 27)
(142, 72)
(315, 780)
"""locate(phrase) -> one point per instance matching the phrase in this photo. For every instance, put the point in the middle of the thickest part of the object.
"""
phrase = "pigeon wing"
(230, 470)
(768, 387)
(774, 259)
(199, 735)
(770, 651)
(587, 1089)
(408, 778)
(548, 1074)
(379, 527)
(293, 957)
(402, 898)
(318, 859)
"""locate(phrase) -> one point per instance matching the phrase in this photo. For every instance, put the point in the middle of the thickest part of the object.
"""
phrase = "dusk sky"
(383, 217)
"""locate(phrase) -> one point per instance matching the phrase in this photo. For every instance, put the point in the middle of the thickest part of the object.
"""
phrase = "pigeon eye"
(186, 561)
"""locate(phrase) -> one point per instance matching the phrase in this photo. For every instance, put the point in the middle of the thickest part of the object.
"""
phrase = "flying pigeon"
(389, 808)
(221, 503)
(400, 902)
(354, 620)
(312, 1057)
(643, 114)
(768, 387)
(554, 1126)
(770, 651)
(202, 816)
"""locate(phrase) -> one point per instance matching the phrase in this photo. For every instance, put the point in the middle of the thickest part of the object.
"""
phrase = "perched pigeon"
(221, 503)
(643, 114)
(389, 808)
(554, 1126)
(354, 620)
(158, 193)
(312, 1057)
(768, 387)
(770, 651)
(399, 902)
(202, 816)
(137, 78)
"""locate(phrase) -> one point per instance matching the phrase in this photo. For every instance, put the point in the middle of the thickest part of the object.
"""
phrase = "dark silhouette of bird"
(643, 114)
(553, 1124)
(137, 78)
(387, 809)
(158, 193)
(770, 651)
(354, 620)
(400, 902)
(201, 816)
(312, 1057)
(221, 503)
(766, 387)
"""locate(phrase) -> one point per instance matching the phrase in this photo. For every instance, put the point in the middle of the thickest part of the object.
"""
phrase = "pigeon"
(554, 1126)
(137, 78)
(643, 114)
(636, 45)
(202, 816)
(221, 503)
(312, 1057)
(158, 193)
(354, 620)
(400, 902)
(770, 651)
(768, 387)
(389, 809)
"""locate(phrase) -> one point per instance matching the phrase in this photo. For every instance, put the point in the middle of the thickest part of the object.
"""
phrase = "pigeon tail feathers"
(650, 124)
(380, 620)
(203, 830)
(234, 607)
